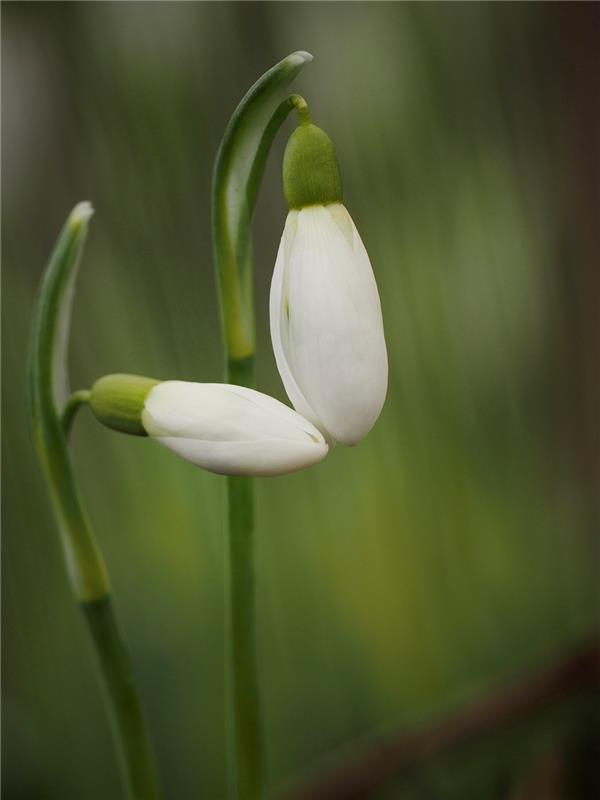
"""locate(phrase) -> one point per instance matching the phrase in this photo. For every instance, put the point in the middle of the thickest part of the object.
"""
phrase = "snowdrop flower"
(326, 324)
(227, 429)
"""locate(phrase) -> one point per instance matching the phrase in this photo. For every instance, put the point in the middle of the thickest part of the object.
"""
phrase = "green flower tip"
(311, 174)
(81, 214)
(117, 401)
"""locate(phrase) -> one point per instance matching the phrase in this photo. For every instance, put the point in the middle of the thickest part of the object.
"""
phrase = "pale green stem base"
(242, 611)
(122, 699)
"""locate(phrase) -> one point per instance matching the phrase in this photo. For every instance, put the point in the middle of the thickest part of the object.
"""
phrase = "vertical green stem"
(238, 172)
(242, 615)
(90, 583)
(127, 715)
(248, 741)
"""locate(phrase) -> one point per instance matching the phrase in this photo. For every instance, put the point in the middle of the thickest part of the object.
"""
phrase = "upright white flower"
(326, 323)
(223, 428)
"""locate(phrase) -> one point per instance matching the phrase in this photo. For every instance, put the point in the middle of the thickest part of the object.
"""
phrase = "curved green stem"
(238, 172)
(301, 106)
(74, 403)
(48, 393)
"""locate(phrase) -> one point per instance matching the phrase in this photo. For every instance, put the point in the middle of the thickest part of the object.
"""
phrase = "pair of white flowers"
(327, 335)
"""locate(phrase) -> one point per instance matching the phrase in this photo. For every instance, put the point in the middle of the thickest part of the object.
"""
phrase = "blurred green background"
(457, 544)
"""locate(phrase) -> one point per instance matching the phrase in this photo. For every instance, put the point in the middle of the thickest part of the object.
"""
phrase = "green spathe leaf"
(48, 392)
(52, 319)
(51, 415)
(238, 171)
(237, 175)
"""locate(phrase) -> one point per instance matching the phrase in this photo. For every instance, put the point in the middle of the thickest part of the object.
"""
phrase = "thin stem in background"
(372, 767)
(51, 415)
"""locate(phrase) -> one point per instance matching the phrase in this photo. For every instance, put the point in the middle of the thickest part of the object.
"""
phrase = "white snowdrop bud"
(326, 324)
(223, 428)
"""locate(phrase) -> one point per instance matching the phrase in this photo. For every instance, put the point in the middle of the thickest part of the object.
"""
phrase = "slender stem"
(74, 403)
(246, 701)
(301, 106)
(85, 565)
(239, 168)
(84, 559)
(90, 582)
(241, 613)
(127, 714)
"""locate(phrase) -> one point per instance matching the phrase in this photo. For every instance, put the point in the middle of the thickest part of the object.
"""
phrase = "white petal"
(263, 458)
(231, 429)
(331, 342)
(279, 315)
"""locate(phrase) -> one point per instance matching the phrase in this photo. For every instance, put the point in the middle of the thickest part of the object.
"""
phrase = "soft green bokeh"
(455, 545)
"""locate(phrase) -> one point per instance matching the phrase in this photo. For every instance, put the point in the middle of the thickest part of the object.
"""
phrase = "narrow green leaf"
(53, 318)
(238, 171)
(48, 393)
(51, 414)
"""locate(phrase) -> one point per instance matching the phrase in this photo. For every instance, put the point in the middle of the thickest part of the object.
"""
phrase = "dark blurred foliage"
(457, 544)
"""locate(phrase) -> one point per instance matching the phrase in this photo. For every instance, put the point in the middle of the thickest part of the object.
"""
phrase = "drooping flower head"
(326, 323)
(227, 429)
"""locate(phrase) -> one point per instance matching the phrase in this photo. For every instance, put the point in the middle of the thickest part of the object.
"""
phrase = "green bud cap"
(118, 401)
(311, 174)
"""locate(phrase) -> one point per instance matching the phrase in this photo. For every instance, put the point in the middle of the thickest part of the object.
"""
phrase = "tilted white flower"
(230, 429)
(326, 323)
(223, 428)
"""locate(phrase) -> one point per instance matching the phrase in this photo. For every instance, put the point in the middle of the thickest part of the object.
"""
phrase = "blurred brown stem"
(379, 762)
